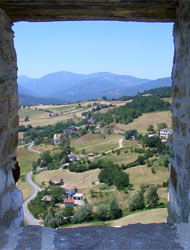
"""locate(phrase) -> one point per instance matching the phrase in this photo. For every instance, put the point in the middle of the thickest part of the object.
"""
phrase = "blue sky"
(143, 50)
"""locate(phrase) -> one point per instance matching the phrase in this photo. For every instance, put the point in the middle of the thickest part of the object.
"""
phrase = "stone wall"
(67, 10)
(10, 196)
(179, 205)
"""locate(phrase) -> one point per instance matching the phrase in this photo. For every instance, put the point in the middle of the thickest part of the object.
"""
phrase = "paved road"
(109, 151)
(29, 148)
(29, 218)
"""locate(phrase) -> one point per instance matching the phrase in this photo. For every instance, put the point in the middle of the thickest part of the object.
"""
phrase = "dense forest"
(125, 114)
(161, 92)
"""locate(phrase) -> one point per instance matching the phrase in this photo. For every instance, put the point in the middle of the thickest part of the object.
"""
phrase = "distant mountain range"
(61, 87)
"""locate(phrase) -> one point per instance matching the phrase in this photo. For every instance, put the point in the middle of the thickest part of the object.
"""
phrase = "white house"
(57, 138)
(165, 132)
(78, 199)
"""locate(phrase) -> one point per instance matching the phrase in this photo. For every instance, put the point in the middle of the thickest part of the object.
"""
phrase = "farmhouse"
(71, 131)
(78, 199)
(56, 138)
(165, 132)
(69, 189)
(69, 202)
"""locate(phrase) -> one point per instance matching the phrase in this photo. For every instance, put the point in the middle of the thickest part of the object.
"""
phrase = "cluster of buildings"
(164, 134)
(70, 131)
(73, 198)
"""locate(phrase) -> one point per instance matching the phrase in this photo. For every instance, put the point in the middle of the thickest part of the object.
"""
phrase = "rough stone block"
(2, 181)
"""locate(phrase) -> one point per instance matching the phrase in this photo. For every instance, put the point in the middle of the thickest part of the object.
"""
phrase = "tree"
(52, 223)
(65, 141)
(48, 217)
(84, 213)
(114, 211)
(68, 211)
(26, 119)
(83, 151)
(59, 218)
(121, 180)
(57, 194)
(161, 126)
(137, 201)
(152, 197)
(101, 212)
(150, 129)
(130, 133)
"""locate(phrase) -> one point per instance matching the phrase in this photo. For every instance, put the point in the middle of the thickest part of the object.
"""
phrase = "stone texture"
(179, 204)
(132, 237)
(3, 181)
(10, 197)
(124, 10)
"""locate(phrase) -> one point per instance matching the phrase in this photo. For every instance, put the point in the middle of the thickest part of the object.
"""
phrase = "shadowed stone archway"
(126, 10)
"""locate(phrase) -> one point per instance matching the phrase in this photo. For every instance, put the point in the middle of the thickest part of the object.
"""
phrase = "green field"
(38, 115)
(143, 122)
(158, 215)
(25, 159)
(96, 143)
(30, 112)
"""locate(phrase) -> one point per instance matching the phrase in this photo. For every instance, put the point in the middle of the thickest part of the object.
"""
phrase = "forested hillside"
(125, 114)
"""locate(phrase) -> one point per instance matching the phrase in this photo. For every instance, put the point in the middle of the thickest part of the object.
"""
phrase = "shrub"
(152, 197)
(59, 218)
(137, 201)
(84, 213)
(153, 170)
(101, 212)
(114, 211)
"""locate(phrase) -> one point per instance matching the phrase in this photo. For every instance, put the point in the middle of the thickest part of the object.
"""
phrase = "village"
(73, 198)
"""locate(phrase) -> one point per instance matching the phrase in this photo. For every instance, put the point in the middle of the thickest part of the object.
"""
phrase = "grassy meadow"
(25, 159)
(38, 115)
(143, 122)
(96, 143)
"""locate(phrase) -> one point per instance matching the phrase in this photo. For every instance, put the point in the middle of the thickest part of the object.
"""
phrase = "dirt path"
(109, 151)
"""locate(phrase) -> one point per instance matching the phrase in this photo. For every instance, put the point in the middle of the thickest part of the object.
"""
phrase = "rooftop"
(69, 187)
(69, 201)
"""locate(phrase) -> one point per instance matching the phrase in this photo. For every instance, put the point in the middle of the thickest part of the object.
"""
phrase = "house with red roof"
(69, 189)
(69, 202)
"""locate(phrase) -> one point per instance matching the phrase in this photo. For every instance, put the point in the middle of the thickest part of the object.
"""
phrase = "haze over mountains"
(65, 86)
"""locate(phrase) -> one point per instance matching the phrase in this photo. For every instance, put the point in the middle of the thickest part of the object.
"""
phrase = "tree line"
(139, 105)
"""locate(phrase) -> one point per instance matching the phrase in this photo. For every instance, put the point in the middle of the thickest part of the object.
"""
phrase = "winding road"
(29, 148)
(28, 217)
